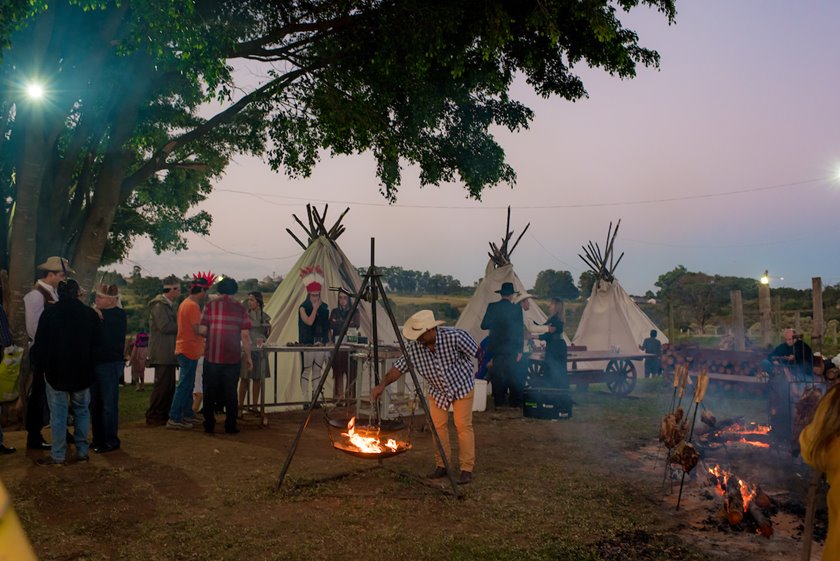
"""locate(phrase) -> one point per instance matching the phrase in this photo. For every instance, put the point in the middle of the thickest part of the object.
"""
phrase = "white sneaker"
(178, 425)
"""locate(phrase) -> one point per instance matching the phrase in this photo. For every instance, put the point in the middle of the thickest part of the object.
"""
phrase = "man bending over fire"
(444, 357)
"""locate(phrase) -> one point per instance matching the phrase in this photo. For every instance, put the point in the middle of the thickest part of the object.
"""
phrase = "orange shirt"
(187, 343)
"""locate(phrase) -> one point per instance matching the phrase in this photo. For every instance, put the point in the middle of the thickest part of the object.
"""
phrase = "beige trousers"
(462, 413)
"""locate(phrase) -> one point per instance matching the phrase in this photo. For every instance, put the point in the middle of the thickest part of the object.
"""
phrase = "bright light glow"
(35, 90)
(765, 279)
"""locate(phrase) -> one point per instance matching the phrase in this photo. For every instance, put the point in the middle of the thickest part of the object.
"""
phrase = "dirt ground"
(588, 488)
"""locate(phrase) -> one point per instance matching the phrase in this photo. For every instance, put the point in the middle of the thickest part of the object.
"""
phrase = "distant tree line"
(407, 281)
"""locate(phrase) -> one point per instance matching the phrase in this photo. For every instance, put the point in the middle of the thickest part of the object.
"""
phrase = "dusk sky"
(724, 160)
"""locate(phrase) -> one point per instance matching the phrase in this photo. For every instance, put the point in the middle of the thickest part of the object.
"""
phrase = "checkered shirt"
(225, 319)
(449, 370)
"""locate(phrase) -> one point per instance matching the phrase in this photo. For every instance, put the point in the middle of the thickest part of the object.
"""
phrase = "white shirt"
(33, 304)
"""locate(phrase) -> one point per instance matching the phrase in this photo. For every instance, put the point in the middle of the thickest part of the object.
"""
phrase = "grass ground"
(543, 490)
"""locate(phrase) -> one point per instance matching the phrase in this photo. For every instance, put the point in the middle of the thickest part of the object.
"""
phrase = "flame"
(752, 428)
(753, 443)
(367, 444)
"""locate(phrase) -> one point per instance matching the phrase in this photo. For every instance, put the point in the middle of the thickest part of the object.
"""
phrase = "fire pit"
(374, 442)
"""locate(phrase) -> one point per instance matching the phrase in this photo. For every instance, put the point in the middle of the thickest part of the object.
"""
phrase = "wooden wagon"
(616, 369)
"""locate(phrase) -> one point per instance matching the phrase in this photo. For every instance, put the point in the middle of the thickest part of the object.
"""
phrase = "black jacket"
(65, 345)
(507, 329)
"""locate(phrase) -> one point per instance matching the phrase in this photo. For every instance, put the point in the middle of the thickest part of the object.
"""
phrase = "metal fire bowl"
(387, 429)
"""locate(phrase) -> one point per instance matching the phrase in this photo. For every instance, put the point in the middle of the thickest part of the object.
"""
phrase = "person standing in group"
(137, 360)
(226, 325)
(163, 329)
(260, 329)
(5, 341)
(503, 319)
(65, 351)
(444, 357)
(110, 366)
(556, 350)
(51, 272)
(189, 348)
(652, 346)
(313, 328)
(342, 367)
(819, 443)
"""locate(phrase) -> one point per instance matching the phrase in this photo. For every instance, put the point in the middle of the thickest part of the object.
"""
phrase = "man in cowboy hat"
(444, 357)
(43, 294)
(503, 319)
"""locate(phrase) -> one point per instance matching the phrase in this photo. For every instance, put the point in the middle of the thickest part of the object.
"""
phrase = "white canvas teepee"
(611, 320)
(485, 293)
(499, 270)
(337, 271)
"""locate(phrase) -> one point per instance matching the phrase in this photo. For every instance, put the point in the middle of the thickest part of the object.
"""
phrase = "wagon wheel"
(534, 375)
(620, 376)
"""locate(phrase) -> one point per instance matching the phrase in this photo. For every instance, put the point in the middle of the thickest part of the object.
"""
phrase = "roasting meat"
(673, 428)
(685, 455)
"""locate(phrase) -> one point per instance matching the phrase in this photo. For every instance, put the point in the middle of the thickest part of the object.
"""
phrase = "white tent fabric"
(612, 321)
(283, 307)
(485, 293)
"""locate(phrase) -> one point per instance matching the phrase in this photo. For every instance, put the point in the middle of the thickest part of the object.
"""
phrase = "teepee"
(611, 320)
(322, 257)
(499, 270)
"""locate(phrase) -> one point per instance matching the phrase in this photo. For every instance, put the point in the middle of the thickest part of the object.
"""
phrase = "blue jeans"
(183, 398)
(79, 402)
(104, 403)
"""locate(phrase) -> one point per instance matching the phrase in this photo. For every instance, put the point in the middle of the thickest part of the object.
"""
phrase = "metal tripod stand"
(370, 290)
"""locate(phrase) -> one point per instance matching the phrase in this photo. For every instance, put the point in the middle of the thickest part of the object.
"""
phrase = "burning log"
(763, 524)
(734, 503)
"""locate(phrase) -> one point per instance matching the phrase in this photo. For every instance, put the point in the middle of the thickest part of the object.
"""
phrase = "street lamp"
(765, 278)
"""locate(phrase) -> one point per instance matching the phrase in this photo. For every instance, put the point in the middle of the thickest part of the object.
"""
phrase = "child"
(137, 360)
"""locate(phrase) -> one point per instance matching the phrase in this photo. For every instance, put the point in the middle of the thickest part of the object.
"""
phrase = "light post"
(764, 309)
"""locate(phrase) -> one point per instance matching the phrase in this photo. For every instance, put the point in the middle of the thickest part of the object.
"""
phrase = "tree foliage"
(586, 281)
(550, 283)
(144, 108)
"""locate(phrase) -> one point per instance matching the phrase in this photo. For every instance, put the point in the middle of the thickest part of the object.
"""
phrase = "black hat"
(507, 289)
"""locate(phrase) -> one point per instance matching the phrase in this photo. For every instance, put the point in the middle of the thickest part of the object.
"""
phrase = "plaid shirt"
(225, 319)
(449, 370)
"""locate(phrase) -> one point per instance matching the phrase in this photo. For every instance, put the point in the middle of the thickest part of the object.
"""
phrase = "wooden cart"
(616, 369)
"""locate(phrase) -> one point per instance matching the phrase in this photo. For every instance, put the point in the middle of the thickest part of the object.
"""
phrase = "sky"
(724, 160)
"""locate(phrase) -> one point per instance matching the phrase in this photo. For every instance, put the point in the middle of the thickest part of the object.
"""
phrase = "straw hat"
(419, 323)
(53, 264)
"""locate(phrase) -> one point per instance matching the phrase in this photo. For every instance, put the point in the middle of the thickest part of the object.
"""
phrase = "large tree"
(143, 108)
(560, 284)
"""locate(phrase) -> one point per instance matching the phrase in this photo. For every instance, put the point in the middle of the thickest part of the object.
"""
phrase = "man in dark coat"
(65, 350)
(507, 332)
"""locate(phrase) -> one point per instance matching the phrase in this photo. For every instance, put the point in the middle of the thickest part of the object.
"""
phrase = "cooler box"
(547, 403)
(480, 396)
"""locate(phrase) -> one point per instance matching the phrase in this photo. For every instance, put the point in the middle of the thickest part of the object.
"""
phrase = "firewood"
(734, 502)
(765, 526)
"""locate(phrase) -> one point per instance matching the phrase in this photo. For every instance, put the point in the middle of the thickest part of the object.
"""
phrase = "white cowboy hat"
(521, 297)
(419, 323)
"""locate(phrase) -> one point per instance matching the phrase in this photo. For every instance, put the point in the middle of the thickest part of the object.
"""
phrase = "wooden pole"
(737, 320)
(777, 333)
(764, 314)
(818, 325)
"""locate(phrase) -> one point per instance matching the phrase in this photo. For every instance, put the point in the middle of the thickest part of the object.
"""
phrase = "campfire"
(744, 504)
(386, 439)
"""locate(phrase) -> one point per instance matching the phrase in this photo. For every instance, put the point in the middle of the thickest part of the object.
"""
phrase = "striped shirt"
(225, 319)
(449, 370)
